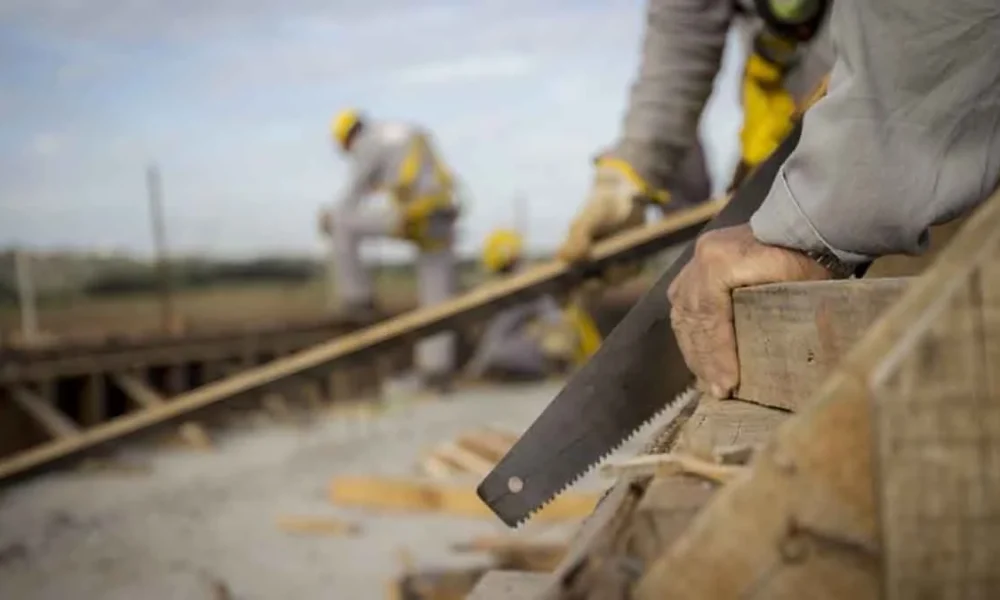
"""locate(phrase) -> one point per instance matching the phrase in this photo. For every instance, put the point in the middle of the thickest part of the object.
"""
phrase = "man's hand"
(701, 301)
(613, 205)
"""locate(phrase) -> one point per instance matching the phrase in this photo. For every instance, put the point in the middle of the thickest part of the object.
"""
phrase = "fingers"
(701, 318)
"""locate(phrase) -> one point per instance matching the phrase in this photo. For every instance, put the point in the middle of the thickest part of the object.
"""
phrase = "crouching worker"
(397, 159)
(532, 340)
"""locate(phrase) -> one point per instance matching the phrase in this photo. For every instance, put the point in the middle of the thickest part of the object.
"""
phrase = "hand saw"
(636, 374)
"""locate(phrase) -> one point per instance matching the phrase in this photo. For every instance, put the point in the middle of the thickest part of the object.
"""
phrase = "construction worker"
(400, 160)
(905, 138)
(682, 54)
(532, 340)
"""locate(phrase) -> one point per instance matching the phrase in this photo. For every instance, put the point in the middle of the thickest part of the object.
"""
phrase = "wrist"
(838, 269)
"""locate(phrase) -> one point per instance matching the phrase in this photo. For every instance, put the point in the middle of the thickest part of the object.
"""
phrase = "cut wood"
(434, 466)
(383, 493)
(486, 443)
(317, 525)
(464, 458)
(670, 464)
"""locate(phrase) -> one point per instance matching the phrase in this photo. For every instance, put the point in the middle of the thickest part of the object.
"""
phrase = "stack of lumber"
(871, 409)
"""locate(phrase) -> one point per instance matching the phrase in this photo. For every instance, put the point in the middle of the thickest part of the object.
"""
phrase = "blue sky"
(232, 99)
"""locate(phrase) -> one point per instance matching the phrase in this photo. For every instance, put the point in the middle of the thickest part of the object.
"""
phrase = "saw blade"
(637, 372)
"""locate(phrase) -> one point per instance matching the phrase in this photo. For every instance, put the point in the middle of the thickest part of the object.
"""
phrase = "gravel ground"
(188, 522)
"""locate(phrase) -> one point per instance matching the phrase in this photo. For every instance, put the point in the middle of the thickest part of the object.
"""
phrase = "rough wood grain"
(791, 336)
(938, 423)
(804, 521)
(679, 226)
(509, 585)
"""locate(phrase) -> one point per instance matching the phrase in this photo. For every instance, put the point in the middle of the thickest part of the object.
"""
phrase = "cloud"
(46, 144)
(467, 69)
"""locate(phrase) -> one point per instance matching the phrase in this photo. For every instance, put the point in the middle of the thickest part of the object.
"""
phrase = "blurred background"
(228, 103)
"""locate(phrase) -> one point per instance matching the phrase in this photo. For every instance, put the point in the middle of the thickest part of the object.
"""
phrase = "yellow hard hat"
(502, 248)
(343, 123)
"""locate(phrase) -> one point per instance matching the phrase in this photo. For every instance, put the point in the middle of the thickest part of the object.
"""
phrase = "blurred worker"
(534, 339)
(400, 160)
(682, 53)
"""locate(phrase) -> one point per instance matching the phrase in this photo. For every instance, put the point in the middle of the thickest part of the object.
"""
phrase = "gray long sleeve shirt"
(681, 56)
(908, 135)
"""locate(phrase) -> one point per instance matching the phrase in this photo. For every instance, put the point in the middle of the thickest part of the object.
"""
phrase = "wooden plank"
(938, 423)
(51, 419)
(510, 585)
(634, 244)
(384, 493)
(486, 443)
(138, 392)
(791, 336)
(659, 465)
(452, 453)
(804, 523)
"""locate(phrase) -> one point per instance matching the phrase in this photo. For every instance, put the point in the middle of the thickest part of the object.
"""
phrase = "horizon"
(232, 100)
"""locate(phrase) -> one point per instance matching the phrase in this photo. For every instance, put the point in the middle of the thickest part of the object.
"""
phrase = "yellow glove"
(616, 202)
(767, 111)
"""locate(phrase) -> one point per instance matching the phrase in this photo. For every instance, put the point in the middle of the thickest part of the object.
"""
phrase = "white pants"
(436, 274)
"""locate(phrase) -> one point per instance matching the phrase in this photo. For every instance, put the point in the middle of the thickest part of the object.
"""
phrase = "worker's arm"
(681, 55)
(907, 137)
(362, 179)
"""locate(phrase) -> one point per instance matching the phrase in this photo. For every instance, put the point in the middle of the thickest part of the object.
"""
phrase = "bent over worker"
(908, 136)
(682, 50)
(400, 160)
(534, 339)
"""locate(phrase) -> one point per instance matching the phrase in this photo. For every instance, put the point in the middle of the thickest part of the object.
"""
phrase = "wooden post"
(94, 407)
(155, 189)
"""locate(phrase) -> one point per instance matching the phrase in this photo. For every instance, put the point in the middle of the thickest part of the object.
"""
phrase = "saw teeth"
(686, 396)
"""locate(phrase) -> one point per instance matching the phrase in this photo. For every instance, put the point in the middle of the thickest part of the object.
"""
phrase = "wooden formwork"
(876, 471)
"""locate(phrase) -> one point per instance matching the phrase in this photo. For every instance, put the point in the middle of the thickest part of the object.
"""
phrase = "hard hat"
(343, 124)
(502, 248)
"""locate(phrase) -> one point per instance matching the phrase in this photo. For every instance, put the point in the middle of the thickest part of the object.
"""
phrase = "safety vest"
(417, 210)
(768, 108)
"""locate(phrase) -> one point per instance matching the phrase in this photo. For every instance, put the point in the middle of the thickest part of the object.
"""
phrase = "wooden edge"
(803, 521)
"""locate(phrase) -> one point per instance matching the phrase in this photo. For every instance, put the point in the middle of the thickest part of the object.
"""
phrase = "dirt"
(191, 524)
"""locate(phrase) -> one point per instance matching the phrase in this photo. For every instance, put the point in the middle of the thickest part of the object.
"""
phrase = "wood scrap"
(436, 467)
(195, 436)
(385, 493)
(311, 525)
(671, 464)
(464, 459)
(487, 443)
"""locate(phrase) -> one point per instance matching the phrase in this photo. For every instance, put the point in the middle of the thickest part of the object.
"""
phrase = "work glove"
(617, 201)
(325, 222)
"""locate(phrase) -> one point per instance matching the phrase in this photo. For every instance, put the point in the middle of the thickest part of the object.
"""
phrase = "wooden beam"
(808, 520)
(652, 465)
(791, 336)
(137, 391)
(383, 493)
(680, 226)
(50, 418)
